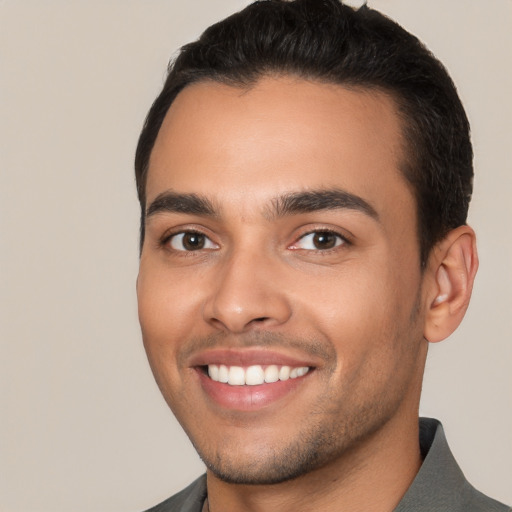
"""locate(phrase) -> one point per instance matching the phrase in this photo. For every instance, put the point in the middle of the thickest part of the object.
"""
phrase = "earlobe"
(453, 263)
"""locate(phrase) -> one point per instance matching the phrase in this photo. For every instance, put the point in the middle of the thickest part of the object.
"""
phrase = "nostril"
(261, 319)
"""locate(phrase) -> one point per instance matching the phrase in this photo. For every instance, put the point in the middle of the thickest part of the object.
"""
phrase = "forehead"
(278, 136)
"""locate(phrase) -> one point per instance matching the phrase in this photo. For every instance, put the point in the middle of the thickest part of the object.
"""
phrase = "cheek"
(361, 309)
(159, 311)
(348, 296)
(166, 301)
(157, 306)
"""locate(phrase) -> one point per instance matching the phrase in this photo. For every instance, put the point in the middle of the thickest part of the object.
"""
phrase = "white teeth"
(302, 371)
(271, 373)
(298, 372)
(254, 375)
(284, 373)
(236, 376)
(213, 372)
(223, 373)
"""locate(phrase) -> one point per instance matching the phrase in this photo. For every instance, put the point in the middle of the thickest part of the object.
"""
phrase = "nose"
(248, 293)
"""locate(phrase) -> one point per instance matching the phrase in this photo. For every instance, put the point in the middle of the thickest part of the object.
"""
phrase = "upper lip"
(247, 357)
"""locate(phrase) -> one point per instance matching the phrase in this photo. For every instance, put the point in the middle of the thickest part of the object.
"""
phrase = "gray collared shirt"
(439, 486)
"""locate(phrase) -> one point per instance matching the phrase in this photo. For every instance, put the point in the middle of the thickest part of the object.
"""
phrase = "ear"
(452, 266)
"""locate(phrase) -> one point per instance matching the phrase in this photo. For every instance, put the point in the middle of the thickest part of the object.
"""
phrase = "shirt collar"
(439, 483)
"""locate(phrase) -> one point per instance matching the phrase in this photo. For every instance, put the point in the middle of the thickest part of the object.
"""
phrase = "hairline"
(406, 159)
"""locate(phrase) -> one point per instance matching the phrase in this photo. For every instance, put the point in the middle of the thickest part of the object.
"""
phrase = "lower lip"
(248, 398)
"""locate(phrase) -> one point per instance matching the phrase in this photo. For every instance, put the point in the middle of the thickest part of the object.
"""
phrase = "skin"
(359, 313)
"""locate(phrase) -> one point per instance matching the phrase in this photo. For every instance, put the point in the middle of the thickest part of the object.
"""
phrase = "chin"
(271, 466)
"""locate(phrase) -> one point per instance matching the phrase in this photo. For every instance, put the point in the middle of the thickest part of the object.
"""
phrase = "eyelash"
(166, 240)
(341, 241)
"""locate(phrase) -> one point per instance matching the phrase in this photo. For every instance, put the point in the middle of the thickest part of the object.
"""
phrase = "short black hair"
(327, 41)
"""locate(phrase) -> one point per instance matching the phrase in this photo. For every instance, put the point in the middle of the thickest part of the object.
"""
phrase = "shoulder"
(475, 501)
(440, 484)
(189, 499)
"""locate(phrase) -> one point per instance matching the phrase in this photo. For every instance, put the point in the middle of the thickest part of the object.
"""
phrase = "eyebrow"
(317, 200)
(288, 204)
(172, 202)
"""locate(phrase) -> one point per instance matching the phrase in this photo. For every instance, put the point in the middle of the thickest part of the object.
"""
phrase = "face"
(280, 286)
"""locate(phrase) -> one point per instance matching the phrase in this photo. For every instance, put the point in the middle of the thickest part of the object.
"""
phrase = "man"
(304, 180)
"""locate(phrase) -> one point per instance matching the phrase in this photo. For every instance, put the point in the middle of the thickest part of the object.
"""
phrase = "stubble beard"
(317, 445)
(333, 429)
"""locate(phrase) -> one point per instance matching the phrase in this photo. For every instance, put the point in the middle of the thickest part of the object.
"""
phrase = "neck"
(373, 476)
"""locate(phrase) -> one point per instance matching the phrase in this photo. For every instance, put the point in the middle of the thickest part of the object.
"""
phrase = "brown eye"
(191, 241)
(319, 241)
(324, 240)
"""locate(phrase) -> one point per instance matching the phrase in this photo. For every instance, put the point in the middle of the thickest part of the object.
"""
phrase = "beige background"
(82, 424)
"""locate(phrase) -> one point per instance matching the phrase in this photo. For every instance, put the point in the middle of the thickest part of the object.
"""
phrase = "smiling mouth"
(253, 375)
